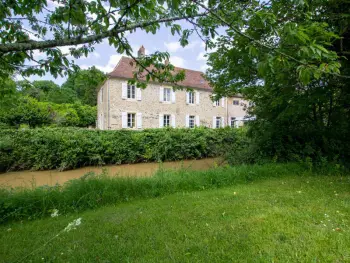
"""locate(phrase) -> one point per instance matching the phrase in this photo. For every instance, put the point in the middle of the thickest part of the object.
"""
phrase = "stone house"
(123, 106)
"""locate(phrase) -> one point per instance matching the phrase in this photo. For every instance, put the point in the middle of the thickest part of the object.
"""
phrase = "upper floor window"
(218, 122)
(235, 102)
(131, 92)
(166, 94)
(217, 103)
(191, 121)
(131, 120)
(190, 97)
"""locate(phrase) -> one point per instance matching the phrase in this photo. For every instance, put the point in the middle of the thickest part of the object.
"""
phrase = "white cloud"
(113, 61)
(177, 61)
(201, 56)
(172, 46)
(175, 46)
(204, 67)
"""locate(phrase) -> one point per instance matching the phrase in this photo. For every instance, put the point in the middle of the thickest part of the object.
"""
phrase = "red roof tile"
(193, 78)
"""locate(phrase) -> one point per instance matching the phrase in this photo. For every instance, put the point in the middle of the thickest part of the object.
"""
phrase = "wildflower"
(299, 192)
(326, 215)
(54, 213)
(72, 225)
(234, 193)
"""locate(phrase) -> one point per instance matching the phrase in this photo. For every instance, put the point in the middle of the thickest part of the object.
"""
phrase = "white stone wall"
(151, 107)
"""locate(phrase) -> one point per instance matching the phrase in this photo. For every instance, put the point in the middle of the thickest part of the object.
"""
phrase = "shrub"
(68, 148)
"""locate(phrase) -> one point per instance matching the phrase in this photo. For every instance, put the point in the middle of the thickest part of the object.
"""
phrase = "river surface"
(51, 177)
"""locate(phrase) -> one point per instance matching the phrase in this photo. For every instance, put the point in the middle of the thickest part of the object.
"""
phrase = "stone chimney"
(141, 52)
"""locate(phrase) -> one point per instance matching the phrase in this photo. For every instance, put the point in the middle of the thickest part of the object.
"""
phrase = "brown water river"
(52, 177)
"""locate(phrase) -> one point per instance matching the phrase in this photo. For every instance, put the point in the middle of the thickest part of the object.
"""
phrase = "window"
(191, 121)
(218, 122)
(131, 92)
(131, 120)
(233, 121)
(166, 94)
(166, 120)
(217, 103)
(235, 102)
(191, 97)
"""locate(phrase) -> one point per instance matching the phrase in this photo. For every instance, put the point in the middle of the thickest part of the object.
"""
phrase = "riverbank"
(290, 218)
(32, 179)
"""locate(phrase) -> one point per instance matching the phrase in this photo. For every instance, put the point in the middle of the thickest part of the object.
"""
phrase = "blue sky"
(105, 57)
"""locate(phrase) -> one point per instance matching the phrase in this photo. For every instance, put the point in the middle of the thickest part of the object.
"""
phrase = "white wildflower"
(54, 213)
(72, 225)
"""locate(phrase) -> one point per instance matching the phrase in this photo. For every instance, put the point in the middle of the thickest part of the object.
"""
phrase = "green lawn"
(292, 219)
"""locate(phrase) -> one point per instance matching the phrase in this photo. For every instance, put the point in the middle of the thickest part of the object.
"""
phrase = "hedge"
(68, 148)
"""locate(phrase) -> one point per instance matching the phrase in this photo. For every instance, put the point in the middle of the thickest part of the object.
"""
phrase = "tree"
(291, 60)
(85, 84)
(29, 27)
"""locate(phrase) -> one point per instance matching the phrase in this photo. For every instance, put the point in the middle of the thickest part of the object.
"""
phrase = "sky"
(105, 57)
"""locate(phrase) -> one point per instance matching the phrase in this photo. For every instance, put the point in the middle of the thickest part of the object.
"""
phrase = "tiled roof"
(193, 78)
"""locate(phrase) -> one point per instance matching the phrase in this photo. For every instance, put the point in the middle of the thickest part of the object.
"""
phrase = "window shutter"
(138, 93)
(187, 120)
(222, 102)
(197, 121)
(124, 120)
(173, 97)
(139, 120)
(161, 121)
(223, 123)
(173, 121)
(124, 90)
(197, 97)
(161, 94)
(214, 122)
(187, 97)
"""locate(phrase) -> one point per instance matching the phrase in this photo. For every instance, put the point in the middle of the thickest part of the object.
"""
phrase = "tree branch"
(15, 47)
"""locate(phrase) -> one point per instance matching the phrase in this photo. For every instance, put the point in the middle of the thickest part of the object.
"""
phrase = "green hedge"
(67, 148)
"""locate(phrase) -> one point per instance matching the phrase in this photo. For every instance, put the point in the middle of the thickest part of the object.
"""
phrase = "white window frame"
(218, 120)
(131, 92)
(234, 103)
(166, 120)
(233, 122)
(190, 97)
(191, 121)
(131, 120)
(217, 103)
(167, 96)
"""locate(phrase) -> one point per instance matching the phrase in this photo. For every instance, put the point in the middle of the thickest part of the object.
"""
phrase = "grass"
(93, 191)
(286, 219)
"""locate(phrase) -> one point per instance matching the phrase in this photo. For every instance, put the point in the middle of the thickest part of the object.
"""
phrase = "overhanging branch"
(16, 47)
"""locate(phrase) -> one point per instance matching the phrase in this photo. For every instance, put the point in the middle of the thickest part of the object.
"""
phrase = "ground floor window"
(218, 122)
(166, 120)
(233, 122)
(131, 120)
(191, 121)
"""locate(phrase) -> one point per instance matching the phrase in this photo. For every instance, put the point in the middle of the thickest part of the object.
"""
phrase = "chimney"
(141, 52)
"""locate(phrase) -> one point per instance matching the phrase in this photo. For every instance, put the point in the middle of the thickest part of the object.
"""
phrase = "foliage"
(93, 191)
(33, 113)
(67, 148)
(85, 84)
(44, 26)
(291, 58)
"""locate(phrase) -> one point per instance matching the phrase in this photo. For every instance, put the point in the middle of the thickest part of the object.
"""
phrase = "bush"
(68, 148)
(92, 191)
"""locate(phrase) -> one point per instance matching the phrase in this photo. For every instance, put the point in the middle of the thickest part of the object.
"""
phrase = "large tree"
(291, 59)
(85, 83)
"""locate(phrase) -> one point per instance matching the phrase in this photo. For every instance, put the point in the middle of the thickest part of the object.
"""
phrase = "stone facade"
(148, 109)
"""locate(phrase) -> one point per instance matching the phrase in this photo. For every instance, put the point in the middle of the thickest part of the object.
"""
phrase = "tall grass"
(93, 191)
